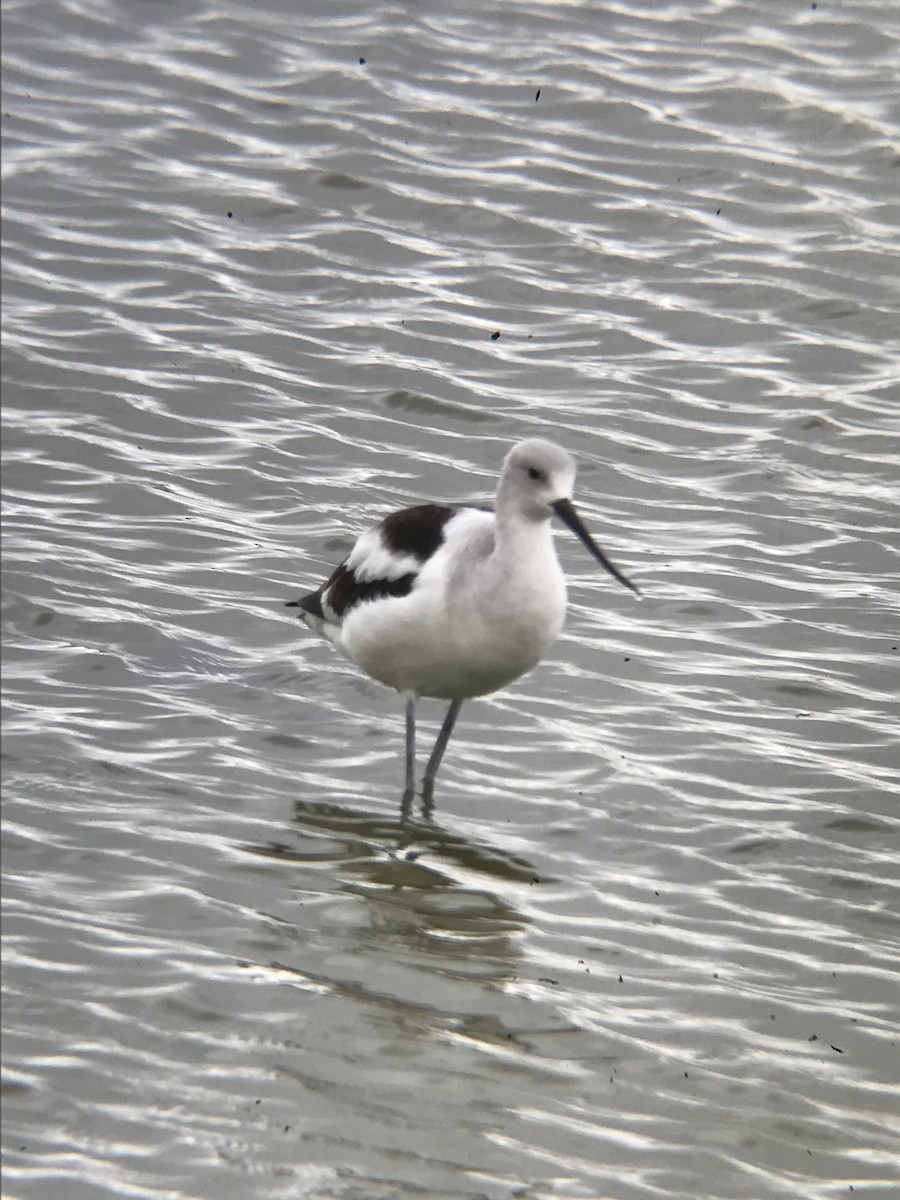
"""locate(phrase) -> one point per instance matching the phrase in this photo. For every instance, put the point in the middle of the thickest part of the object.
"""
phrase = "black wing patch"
(311, 603)
(417, 531)
(413, 532)
(343, 591)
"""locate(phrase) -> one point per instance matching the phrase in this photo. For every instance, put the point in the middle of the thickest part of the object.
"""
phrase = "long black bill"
(565, 510)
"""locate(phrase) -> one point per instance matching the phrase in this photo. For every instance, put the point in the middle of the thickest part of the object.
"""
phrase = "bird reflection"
(426, 878)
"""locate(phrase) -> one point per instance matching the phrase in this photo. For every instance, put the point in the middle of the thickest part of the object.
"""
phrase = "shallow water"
(646, 945)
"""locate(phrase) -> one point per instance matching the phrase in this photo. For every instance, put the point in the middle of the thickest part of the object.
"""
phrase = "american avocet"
(453, 601)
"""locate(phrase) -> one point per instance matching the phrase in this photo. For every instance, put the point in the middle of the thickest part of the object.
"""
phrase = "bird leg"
(409, 790)
(439, 747)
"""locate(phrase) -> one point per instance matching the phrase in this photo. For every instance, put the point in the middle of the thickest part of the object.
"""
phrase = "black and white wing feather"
(384, 562)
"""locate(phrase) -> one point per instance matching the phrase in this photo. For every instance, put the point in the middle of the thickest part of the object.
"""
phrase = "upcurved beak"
(567, 513)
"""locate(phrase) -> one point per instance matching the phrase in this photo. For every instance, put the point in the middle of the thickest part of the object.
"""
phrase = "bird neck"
(521, 542)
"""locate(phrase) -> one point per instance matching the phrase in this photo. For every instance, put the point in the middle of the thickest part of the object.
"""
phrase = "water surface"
(646, 945)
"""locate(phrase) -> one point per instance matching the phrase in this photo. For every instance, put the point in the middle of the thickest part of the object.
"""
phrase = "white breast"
(473, 622)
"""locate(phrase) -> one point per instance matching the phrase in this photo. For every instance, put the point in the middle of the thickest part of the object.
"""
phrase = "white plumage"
(456, 601)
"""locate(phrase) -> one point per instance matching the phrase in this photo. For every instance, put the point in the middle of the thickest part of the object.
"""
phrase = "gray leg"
(440, 746)
(410, 747)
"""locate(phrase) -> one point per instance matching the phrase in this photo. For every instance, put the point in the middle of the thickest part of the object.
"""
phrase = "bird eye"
(535, 474)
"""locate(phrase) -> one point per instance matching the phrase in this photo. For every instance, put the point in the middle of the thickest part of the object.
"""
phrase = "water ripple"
(265, 279)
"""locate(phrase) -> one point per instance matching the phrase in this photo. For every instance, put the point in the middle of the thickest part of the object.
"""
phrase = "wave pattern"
(646, 947)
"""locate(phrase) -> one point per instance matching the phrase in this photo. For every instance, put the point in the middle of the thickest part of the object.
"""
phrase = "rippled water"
(647, 945)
